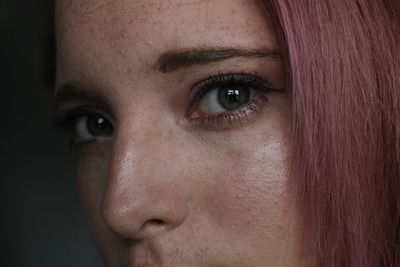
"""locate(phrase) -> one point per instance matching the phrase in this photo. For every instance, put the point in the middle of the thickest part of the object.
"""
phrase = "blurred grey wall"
(42, 224)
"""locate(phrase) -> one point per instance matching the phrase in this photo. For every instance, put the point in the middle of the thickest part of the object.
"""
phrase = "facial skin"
(166, 183)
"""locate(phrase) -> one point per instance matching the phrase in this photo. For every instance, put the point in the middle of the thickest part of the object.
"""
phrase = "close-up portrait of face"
(232, 133)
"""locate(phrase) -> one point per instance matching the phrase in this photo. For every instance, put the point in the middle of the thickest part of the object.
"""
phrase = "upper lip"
(145, 254)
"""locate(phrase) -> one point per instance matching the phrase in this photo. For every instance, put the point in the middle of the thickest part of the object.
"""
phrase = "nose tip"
(144, 194)
(144, 216)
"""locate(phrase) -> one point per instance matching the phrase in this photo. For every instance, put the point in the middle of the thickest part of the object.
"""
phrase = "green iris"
(233, 97)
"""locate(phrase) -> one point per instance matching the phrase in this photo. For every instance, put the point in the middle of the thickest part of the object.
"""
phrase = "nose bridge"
(141, 198)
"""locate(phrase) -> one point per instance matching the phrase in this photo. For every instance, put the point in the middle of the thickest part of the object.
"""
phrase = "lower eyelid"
(232, 119)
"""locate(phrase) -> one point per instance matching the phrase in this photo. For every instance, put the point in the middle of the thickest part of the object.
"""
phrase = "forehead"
(184, 14)
(138, 30)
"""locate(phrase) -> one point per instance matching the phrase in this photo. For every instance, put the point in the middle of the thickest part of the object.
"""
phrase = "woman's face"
(181, 118)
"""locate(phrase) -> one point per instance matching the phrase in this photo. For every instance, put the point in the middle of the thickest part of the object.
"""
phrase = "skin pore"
(169, 176)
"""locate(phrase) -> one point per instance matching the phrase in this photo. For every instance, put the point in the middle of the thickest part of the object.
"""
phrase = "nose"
(142, 198)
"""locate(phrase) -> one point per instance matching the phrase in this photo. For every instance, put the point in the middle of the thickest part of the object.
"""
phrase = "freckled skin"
(159, 192)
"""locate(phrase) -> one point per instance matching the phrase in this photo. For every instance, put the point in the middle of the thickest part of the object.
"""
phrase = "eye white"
(81, 129)
(210, 103)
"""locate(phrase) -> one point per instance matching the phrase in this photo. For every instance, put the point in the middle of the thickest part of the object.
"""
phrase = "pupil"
(233, 97)
(98, 125)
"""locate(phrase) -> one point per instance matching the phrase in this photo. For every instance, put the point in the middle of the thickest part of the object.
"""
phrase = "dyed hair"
(344, 64)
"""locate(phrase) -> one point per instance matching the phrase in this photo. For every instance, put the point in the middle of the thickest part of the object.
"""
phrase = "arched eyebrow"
(175, 59)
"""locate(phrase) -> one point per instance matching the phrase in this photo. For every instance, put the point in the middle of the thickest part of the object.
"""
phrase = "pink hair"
(344, 61)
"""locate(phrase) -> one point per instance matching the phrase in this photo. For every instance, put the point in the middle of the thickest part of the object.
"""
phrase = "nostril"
(153, 224)
(156, 222)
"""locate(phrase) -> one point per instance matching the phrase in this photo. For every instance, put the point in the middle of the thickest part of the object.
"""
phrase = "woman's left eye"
(225, 99)
(91, 126)
(85, 125)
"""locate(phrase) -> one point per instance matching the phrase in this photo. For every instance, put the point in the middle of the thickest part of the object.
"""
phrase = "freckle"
(194, 115)
(239, 196)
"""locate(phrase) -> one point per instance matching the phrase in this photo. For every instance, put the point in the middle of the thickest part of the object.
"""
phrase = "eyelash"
(230, 119)
(66, 122)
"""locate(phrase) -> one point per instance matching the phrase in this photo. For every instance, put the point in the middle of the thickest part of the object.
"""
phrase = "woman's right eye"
(89, 127)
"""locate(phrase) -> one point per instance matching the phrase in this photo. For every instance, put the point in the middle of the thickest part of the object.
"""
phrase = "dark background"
(42, 224)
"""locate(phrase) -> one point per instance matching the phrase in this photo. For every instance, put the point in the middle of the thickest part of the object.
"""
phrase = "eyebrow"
(175, 59)
(70, 91)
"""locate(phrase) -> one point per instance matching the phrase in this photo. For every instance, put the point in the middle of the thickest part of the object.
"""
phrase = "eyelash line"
(65, 121)
(221, 79)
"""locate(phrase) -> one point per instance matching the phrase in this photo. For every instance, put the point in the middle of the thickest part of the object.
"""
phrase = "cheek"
(249, 196)
(92, 176)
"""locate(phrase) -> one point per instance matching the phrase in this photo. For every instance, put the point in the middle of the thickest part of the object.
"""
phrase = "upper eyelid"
(200, 88)
(232, 78)
(67, 119)
(215, 77)
(85, 111)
